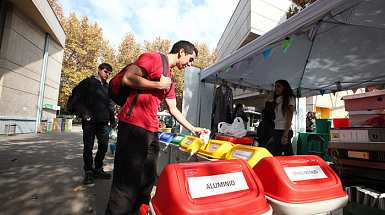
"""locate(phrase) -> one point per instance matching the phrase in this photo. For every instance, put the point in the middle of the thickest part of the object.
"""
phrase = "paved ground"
(39, 172)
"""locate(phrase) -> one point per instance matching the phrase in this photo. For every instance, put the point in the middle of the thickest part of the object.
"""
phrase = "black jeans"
(134, 173)
(277, 148)
(90, 130)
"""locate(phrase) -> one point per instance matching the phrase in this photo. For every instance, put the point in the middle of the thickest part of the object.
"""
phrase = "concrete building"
(31, 52)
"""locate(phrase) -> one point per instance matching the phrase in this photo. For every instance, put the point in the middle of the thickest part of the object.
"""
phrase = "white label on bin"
(242, 154)
(213, 147)
(188, 142)
(301, 173)
(166, 135)
(216, 184)
(178, 138)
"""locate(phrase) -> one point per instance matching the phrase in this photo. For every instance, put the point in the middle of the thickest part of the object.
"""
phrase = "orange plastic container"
(224, 187)
(235, 140)
(341, 122)
(300, 185)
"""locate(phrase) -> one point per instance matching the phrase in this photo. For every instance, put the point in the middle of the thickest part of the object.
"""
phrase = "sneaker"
(101, 174)
(87, 178)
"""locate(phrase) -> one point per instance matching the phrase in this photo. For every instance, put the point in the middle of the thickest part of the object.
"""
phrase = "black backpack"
(119, 93)
(70, 101)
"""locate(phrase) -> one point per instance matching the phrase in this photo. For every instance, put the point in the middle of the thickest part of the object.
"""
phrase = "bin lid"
(191, 144)
(300, 179)
(223, 187)
(216, 149)
(166, 137)
(178, 139)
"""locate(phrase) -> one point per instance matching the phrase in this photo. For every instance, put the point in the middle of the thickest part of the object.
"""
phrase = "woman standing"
(284, 103)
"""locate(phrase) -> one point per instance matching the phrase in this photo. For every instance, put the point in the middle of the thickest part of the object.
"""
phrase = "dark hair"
(105, 66)
(237, 107)
(287, 93)
(186, 45)
(268, 116)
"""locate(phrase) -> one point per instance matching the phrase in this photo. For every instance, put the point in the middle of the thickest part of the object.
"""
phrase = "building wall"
(333, 102)
(250, 19)
(21, 66)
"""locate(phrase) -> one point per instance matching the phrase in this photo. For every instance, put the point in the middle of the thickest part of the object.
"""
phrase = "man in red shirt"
(138, 144)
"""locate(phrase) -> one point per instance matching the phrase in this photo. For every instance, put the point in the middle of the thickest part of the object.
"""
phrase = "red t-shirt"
(144, 113)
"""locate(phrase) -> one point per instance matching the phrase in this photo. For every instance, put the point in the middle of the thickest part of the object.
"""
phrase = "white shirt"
(280, 119)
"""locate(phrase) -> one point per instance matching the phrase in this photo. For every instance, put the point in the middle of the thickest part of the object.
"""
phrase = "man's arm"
(171, 105)
(80, 99)
(134, 78)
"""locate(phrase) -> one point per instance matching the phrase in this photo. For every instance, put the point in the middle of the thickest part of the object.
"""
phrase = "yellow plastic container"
(189, 149)
(216, 149)
(251, 154)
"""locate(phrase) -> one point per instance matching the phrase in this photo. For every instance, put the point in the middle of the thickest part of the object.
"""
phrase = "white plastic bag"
(236, 129)
(224, 127)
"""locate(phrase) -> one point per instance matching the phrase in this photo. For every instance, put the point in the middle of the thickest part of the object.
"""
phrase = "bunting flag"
(322, 92)
(220, 80)
(216, 78)
(227, 69)
(348, 14)
(250, 61)
(371, 88)
(299, 92)
(268, 92)
(354, 90)
(286, 44)
(334, 92)
(339, 87)
(312, 32)
(237, 66)
(267, 53)
(244, 88)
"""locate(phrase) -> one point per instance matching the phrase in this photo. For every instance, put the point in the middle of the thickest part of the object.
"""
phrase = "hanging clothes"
(223, 104)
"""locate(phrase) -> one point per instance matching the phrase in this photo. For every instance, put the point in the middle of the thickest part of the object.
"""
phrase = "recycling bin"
(224, 187)
(251, 154)
(236, 140)
(174, 148)
(189, 148)
(214, 150)
(301, 185)
(164, 152)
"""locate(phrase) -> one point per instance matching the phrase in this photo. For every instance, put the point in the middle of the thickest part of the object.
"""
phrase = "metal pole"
(42, 82)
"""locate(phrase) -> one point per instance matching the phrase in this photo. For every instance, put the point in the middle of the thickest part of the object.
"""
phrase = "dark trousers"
(277, 148)
(134, 173)
(90, 130)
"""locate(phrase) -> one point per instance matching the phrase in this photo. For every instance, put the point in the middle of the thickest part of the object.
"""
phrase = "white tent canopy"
(347, 51)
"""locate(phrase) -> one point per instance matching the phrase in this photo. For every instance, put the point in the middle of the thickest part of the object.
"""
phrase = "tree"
(58, 9)
(300, 5)
(85, 47)
(129, 50)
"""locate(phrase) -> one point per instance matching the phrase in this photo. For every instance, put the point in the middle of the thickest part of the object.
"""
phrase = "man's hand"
(165, 83)
(196, 131)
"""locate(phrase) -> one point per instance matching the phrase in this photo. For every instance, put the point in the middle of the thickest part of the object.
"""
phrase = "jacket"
(223, 105)
(91, 100)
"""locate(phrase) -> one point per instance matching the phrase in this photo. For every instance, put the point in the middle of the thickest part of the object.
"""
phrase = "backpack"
(70, 101)
(119, 93)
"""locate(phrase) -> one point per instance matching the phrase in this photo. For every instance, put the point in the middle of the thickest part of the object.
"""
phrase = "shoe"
(101, 174)
(87, 178)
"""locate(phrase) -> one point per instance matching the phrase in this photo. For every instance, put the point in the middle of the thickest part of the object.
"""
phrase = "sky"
(198, 21)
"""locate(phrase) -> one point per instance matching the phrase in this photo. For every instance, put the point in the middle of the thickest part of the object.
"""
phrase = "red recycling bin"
(224, 187)
(235, 140)
(300, 185)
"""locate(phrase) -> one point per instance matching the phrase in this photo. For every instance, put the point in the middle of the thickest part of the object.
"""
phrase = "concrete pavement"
(39, 172)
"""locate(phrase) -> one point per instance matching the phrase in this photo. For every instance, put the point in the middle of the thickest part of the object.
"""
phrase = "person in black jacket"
(265, 129)
(238, 112)
(96, 109)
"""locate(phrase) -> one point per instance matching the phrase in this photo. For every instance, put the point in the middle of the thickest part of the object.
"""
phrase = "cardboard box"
(365, 101)
(42, 128)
